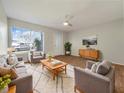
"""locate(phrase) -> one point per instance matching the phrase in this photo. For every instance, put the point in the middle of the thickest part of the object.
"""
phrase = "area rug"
(43, 82)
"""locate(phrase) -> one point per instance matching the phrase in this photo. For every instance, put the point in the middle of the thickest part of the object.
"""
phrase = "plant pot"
(50, 59)
(5, 90)
(67, 52)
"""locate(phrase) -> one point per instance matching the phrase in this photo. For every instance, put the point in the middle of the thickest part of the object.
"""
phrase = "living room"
(77, 36)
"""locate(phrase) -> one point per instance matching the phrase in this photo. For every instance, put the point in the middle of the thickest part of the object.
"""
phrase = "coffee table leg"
(54, 76)
(42, 66)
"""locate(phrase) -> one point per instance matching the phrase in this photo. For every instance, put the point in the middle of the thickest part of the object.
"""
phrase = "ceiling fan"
(67, 19)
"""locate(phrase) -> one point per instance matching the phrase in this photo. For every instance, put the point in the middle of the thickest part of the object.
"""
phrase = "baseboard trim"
(118, 64)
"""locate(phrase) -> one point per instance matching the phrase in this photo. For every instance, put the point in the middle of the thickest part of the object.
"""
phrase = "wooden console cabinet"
(89, 53)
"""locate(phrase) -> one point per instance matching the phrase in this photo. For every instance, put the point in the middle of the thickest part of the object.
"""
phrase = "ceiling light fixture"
(67, 19)
(65, 23)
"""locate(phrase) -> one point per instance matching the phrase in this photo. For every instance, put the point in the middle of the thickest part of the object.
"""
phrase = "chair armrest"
(89, 64)
(23, 84)
(88, 81)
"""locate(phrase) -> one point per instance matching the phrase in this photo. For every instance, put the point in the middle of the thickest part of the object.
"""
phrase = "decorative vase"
(5, 90)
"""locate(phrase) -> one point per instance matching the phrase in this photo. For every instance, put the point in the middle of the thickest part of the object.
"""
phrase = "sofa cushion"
(36, 53)
(103, 68)
(22, 75)
(21, 70)
(94, 67)
(20, 64)
(35, 57)
(5, 70)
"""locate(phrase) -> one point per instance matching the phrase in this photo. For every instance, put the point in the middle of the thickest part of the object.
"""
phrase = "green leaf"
(4, 81)
(1, 79)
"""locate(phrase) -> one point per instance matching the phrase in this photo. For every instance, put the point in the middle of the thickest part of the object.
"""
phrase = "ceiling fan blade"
(70, 24)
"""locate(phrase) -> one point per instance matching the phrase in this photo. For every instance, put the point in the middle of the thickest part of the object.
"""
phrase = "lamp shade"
(11, 49)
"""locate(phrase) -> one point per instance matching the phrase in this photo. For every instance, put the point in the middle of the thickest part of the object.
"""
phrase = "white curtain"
(59, 43)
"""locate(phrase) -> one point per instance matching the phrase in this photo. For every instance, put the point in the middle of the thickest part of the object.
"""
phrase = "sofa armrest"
(23, 84)
(89, 64)
(91, 82)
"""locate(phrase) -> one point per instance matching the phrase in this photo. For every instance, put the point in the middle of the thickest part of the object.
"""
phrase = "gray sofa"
(89, 82)
(24, 80)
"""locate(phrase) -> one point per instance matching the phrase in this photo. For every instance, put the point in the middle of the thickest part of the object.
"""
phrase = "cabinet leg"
(75, 89)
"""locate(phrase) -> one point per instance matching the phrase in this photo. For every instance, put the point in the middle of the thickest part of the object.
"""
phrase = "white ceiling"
(51, 13)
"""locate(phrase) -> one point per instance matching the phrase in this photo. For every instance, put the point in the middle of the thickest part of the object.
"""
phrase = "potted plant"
(4, 81)
(49, 57)
(37, 44)
(67, 46)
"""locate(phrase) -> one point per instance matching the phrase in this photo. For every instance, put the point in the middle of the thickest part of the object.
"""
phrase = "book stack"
(56, 62)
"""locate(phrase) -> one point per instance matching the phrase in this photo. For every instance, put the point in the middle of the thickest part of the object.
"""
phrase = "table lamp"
(10, 50)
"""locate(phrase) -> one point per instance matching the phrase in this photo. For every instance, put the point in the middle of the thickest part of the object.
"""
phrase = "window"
(25, 40)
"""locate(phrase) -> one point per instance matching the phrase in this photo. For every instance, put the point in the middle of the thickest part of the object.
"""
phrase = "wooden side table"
(12, 89)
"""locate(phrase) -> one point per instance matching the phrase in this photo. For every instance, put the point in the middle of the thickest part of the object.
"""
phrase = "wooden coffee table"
(54, 69)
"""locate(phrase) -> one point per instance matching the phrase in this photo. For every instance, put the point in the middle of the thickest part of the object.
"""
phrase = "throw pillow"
(3, 61)
(4, 71)
(103, 68)
(36, 53)
(94, 67)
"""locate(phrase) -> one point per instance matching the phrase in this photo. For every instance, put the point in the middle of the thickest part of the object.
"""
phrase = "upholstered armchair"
(36, 56)
(90, 82)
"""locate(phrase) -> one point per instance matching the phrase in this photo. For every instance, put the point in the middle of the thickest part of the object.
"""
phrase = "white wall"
(53, 38)
(110, 40)
(3, 31)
